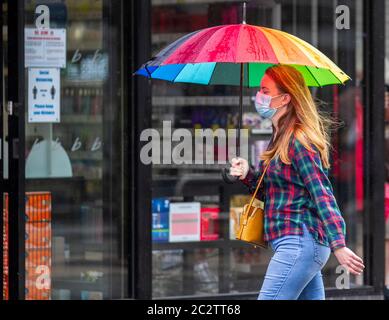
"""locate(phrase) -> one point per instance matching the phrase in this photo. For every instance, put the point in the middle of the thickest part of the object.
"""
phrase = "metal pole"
(244, 13)
(225, 172)
(240, 110)
(241, 92)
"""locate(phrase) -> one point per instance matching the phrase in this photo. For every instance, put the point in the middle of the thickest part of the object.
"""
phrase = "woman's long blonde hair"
(302, 117)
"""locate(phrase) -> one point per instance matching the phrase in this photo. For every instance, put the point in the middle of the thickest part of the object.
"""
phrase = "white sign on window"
(45, 48)
(44, 94)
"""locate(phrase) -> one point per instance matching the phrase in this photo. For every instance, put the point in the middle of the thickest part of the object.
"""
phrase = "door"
(12, 150)
(64, 157)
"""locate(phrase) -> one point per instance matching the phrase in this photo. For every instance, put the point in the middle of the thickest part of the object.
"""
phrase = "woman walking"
(303, 223)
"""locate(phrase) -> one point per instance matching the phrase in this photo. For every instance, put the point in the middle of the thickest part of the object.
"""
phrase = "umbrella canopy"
(239, 54)
(213, 56)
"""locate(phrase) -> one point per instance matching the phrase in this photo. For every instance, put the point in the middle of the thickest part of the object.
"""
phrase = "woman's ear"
(288, 98)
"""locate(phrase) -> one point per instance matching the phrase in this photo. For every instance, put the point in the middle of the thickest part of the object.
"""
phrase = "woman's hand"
(350, 260)
(239, 168)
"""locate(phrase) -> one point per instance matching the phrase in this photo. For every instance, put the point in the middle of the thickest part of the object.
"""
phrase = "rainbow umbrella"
(239, 54)
(213, 56)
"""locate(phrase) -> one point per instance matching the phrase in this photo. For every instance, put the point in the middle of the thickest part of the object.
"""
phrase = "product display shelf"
(188, 192)
(87, 155)
(185, 101)
(220, 243)
(82, 83)
(85, 46)
(84, 119)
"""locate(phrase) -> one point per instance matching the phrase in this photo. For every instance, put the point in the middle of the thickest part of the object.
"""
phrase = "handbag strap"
(259, 183)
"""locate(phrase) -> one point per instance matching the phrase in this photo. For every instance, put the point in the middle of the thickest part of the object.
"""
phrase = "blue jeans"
(294, 272)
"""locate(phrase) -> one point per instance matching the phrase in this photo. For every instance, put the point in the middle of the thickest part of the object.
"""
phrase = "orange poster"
(37, 243)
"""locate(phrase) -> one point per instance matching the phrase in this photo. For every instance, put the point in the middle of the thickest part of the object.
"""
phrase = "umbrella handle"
(227, 177)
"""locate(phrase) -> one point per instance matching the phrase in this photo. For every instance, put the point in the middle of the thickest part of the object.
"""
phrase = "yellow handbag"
(251, 228)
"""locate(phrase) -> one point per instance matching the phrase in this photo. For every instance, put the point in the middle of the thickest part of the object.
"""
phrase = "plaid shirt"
(296, 193)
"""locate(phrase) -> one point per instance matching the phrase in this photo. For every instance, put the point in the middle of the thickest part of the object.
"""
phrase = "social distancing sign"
(44, 95)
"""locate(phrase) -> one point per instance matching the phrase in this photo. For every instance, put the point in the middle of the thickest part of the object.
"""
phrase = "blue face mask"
(262, 104)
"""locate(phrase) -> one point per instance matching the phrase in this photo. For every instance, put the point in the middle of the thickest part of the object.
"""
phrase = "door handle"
(9, 108)
(12, 108)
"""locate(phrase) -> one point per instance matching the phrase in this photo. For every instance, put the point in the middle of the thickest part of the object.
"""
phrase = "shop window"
(226, 265)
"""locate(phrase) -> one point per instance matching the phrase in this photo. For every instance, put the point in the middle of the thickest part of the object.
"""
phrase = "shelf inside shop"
(83, 83)
(86, 155)
(220, 243)
(85, 46)
(87, 119)
(85, 260)
(183, 101)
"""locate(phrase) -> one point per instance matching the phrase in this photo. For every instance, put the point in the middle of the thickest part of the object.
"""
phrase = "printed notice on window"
(45, 48)
(43, 94)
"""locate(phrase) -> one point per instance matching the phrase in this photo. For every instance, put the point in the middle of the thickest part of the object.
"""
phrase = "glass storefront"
(215, 263)
(74, 162)
(100, 223)
(78, 159)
